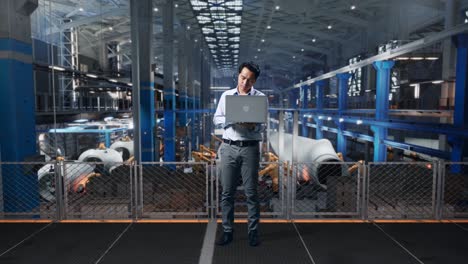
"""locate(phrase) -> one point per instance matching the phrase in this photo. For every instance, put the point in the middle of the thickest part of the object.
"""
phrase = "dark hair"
(253, 67)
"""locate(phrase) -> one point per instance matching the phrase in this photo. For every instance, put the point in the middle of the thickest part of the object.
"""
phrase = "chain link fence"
(174, 190)
(95, 190)
(72, 190)
(454, 189)
(401, 190)
(326, 190)
(27, 190)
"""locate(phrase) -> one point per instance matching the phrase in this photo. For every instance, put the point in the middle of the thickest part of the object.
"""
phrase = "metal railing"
(63, 190)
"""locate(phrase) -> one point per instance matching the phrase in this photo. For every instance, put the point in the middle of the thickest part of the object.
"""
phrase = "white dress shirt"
(236, 132)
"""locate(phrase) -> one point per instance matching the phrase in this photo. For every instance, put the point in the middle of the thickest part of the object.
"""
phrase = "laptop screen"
(246, 109)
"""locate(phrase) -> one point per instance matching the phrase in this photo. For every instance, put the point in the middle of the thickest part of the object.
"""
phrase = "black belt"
(244, 143)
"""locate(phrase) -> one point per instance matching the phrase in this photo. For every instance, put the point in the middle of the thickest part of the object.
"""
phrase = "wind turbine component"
(71, 171)
(125, 148)
(109, 157)
(314, 154)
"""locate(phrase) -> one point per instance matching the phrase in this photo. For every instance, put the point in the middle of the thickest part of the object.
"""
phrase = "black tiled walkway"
(281, 243)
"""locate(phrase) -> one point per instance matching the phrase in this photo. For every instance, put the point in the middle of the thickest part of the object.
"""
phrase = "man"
(240, 157)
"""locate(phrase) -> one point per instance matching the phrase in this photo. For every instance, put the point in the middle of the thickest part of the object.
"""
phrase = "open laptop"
(246, 109)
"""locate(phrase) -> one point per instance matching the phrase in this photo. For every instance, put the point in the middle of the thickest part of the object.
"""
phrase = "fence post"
(440, 188)
(365, 191)
(59, 172)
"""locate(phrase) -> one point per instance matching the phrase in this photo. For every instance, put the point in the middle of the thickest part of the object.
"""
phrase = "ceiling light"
(255, 57)
(130, 84)
(113, 80)
(341, 120)
(268, 27)
(329, 118)
(91, 75)
(313, 40)
(402, 58)
(302, 50)
(176, 5)
(294, 57)
(259, 50)
(358, 122)
(196, 40)
(155, 9)
(188, 27)
(57, 68)
(111, 28)
(263, 40)
(329, 27)
(438, 81)
(353, 7)
(81, 9)
(432, 58)
(277, 7)
(417, 58)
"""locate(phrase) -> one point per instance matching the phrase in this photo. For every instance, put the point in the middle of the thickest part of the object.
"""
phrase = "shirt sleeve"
(219, 118)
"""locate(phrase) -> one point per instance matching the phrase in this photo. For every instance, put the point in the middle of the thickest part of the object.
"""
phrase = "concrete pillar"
(143, 79)
(17, 106)
(103, 57)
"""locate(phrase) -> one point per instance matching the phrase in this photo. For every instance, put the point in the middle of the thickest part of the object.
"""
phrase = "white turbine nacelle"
(125, 148)
(310, 152)
(72, 172)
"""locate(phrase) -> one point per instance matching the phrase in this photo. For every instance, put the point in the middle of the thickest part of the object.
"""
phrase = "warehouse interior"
(108, 110)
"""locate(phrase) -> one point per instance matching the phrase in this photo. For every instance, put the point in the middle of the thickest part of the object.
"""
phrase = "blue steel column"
(319, 97)
(342, 106)
(169, 89)
(460, 118)
(182, 76)
(305, 102)
(142, 78)
(381, 108)
(17, 106)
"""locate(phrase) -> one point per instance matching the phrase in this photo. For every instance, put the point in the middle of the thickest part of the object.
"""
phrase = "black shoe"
(253, 238)
(224, 239)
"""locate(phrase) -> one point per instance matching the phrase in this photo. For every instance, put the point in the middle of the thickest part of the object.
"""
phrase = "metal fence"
(190, 190)
(402, 190)
(173, 190)
(327, 189)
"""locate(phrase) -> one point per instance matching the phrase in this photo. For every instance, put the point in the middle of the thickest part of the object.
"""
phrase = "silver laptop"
(246, 109)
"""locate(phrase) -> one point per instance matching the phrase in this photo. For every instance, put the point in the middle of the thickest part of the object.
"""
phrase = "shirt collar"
(251, 92)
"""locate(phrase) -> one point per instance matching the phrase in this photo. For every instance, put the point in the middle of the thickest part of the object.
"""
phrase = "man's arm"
(219, 118)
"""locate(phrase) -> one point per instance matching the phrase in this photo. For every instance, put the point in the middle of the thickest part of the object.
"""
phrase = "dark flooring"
(280, 243)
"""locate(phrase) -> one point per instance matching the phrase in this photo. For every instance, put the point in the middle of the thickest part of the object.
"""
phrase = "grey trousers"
(239, 162)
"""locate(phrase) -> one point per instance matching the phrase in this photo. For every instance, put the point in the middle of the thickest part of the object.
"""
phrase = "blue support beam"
(193, 104)
(460, 116)
(319, 97)
(383, 69)
(18, 136)
(147, 121)
(169, 125)
(342, 105)
(305, 102)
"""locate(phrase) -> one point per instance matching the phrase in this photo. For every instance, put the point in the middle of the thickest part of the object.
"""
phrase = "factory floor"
(318, 243)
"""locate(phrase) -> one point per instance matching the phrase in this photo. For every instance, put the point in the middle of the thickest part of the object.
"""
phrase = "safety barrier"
(65, 190)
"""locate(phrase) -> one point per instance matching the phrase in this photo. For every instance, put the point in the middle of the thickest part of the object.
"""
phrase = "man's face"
(245, 81)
